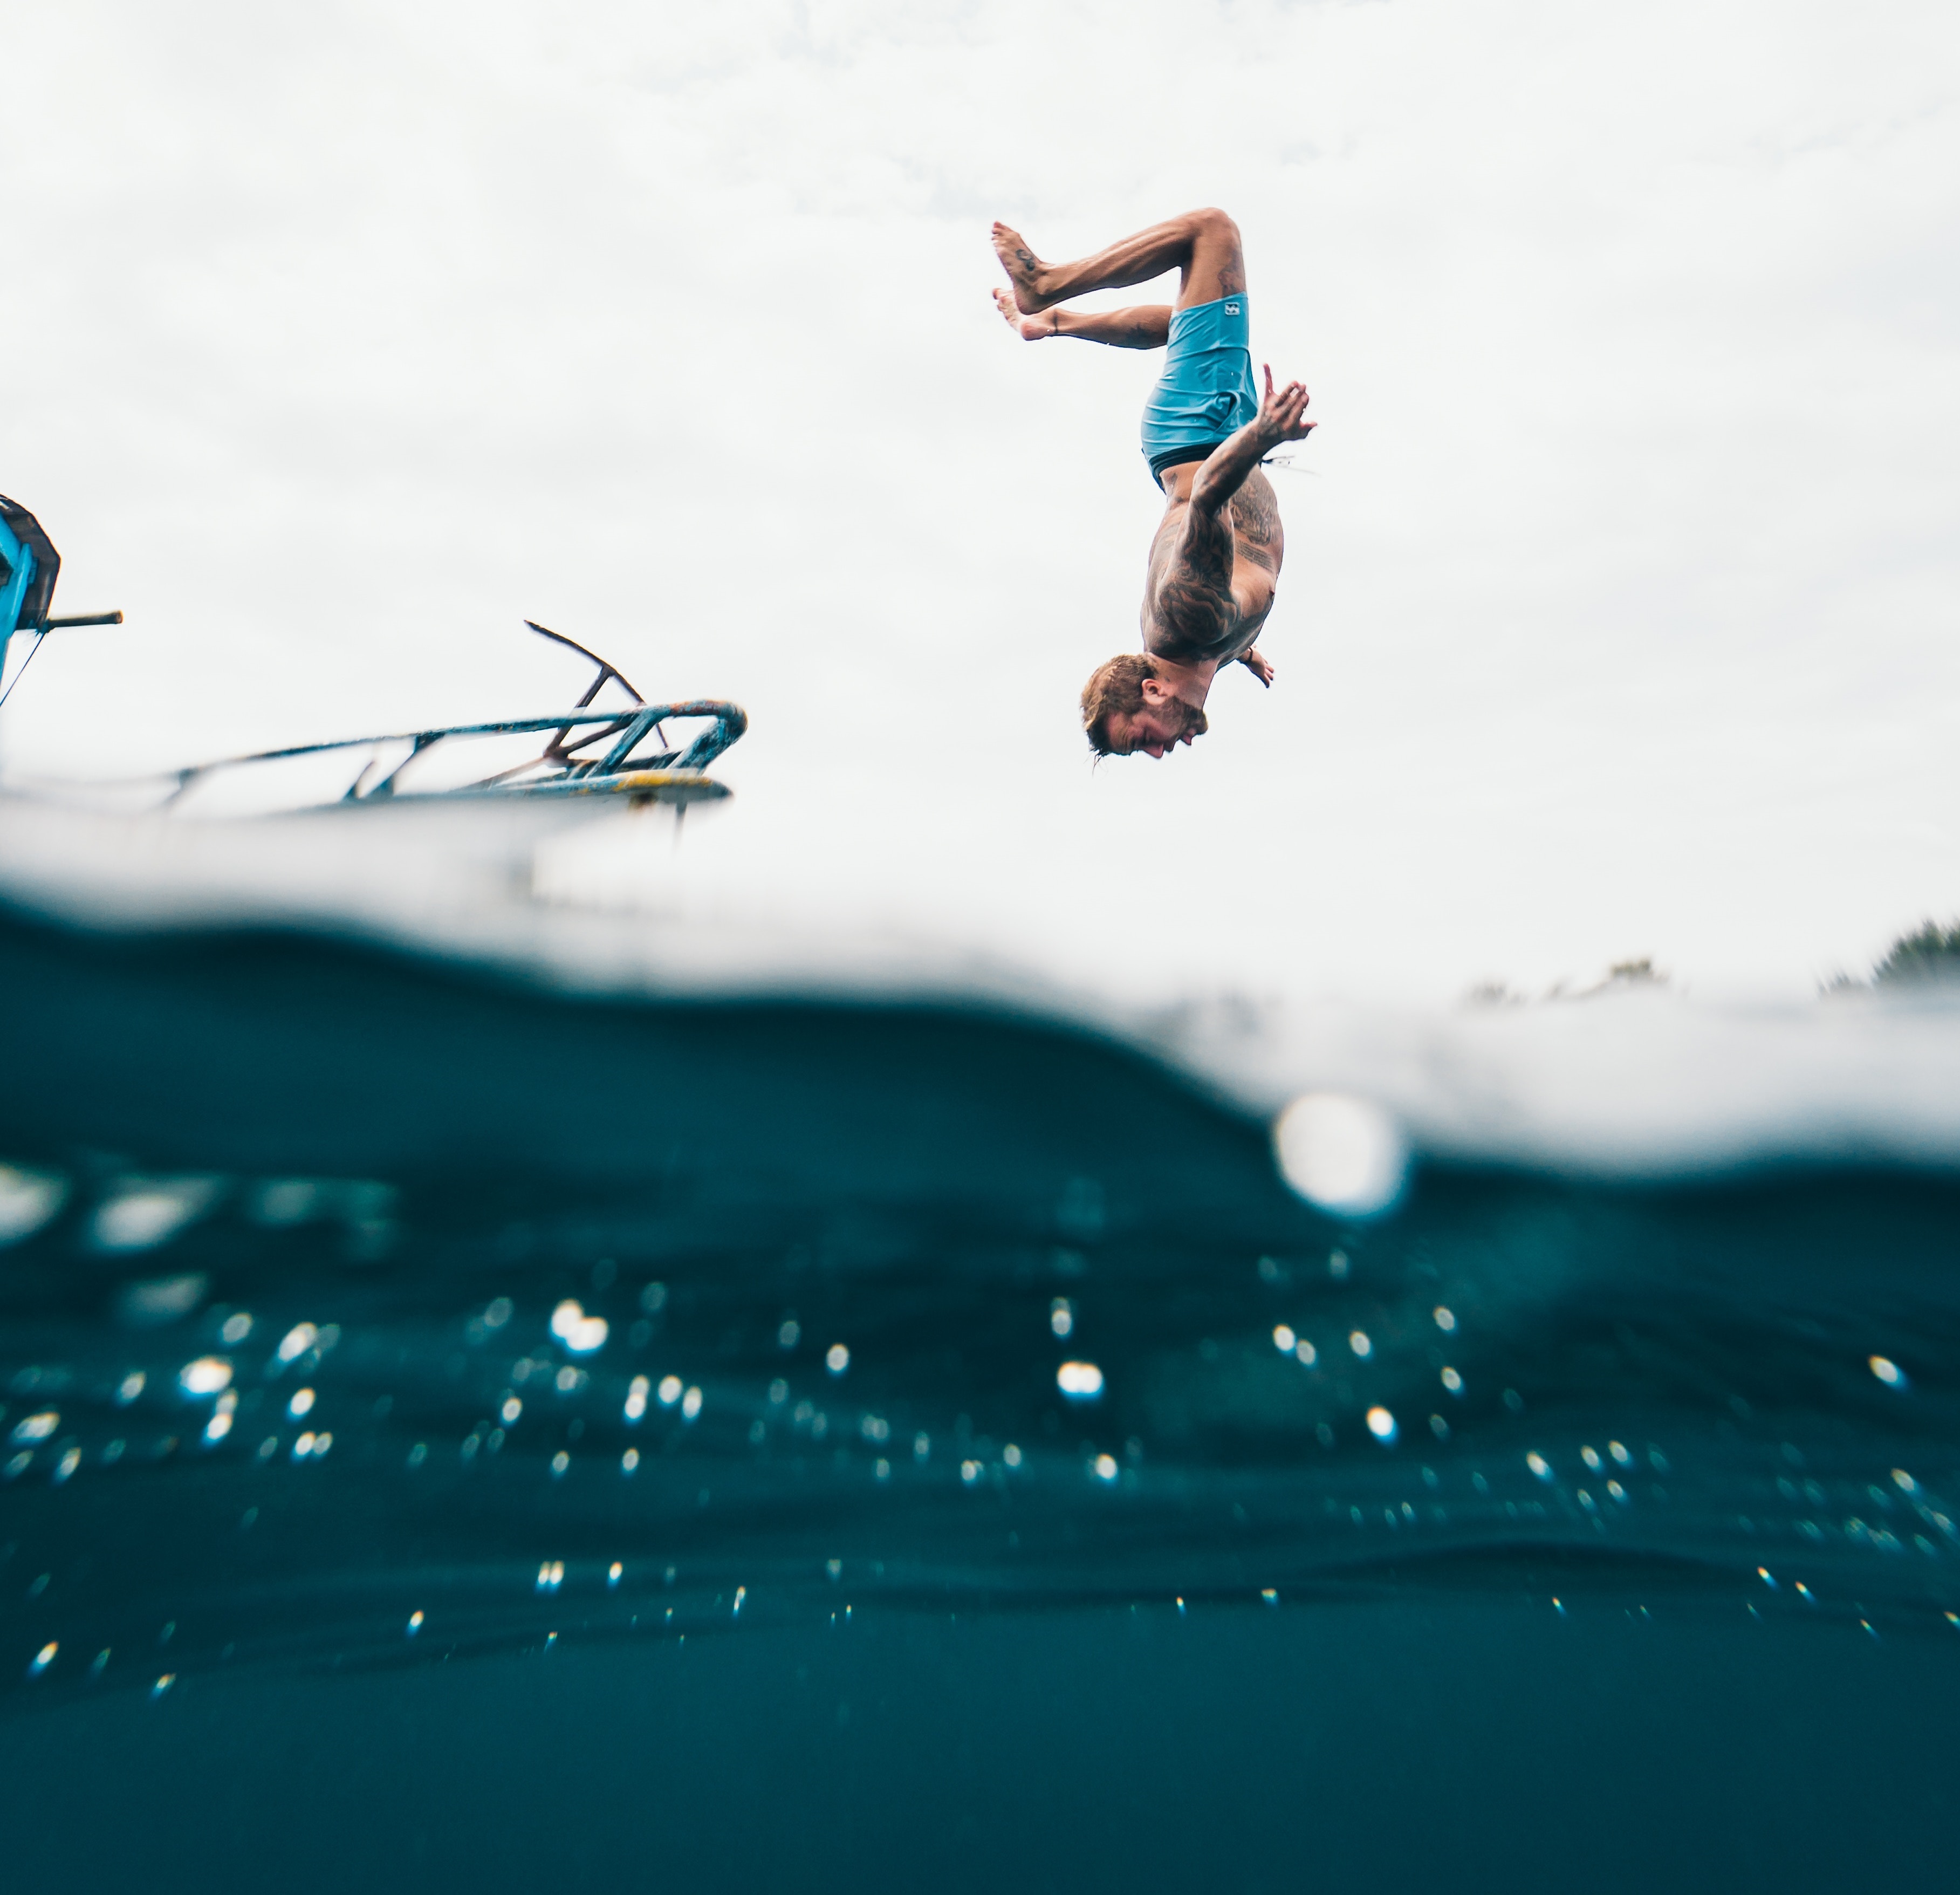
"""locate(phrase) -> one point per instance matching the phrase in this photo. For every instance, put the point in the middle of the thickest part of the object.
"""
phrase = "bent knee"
(1213, 223)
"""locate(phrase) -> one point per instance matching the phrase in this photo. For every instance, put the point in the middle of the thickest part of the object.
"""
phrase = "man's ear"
(1154, 690)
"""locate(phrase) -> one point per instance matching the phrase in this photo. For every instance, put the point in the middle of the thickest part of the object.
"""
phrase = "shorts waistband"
(1177, 456)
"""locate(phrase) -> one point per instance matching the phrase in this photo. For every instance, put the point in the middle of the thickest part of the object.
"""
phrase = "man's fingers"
(1289, 403)
(1284, 409)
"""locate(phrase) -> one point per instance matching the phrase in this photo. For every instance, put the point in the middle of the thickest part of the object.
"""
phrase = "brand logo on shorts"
(1231, 309)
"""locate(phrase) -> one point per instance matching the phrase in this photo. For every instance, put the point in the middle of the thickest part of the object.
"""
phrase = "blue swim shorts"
(1206, 393)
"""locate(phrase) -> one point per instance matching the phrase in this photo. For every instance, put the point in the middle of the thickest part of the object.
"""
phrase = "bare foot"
(1030, 328)
(1025, 271)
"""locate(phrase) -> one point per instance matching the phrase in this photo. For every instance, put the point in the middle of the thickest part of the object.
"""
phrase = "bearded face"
(1156, 726)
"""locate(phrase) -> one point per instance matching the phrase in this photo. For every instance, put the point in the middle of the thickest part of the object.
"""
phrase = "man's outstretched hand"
(1283, 416)
(1254, 661)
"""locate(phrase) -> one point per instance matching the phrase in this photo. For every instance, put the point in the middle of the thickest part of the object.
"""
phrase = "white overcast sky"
(1619, 610)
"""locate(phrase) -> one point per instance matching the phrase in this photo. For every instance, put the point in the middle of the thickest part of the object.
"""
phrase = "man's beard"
(1196, 722)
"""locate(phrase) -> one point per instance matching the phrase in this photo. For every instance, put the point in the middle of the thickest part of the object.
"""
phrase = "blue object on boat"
(29, 566)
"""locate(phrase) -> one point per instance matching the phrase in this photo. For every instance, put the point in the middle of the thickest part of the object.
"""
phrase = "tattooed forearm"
(1191, 603)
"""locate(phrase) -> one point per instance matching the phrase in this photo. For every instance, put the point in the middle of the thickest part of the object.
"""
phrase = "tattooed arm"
(1192, 602)
(1281, 417)
(1212, 581)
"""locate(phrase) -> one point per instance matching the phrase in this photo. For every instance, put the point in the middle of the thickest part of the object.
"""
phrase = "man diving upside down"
(1216, 558)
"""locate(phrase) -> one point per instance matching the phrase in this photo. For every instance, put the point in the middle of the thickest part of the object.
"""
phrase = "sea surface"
(467, 1427)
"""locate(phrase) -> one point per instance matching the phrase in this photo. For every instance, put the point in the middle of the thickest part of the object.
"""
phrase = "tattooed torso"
(1203, 600)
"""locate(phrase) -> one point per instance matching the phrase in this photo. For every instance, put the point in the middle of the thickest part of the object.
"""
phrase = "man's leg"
(1146, 326)
(1204, 245)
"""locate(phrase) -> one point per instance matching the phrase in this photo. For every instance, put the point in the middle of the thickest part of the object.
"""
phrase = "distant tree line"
(1622, 975)
(1930, 952)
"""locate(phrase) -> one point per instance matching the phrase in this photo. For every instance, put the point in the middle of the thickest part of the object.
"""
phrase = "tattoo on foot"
(1025, 271)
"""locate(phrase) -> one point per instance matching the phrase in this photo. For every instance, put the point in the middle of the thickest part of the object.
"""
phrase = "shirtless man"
(1215, 561)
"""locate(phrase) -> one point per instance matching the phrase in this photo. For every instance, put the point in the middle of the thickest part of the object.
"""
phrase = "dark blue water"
(459, 1432)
